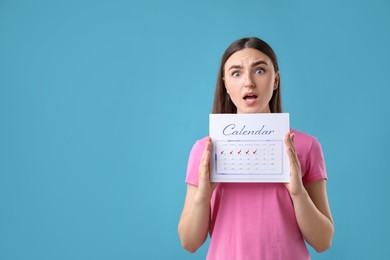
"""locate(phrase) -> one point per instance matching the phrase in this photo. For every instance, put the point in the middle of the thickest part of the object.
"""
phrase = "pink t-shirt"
(257, 220)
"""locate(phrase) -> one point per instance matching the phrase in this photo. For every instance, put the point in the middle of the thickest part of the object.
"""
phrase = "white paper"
(249, 147)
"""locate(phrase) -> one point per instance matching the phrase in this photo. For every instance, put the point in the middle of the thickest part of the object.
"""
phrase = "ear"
(277, 78)
(227, 91)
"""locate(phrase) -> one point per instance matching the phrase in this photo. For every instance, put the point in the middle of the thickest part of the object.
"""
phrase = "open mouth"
(250, 97)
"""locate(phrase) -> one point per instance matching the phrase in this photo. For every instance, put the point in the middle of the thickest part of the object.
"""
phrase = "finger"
(289, 145)
(206, 148)
(204, 168)
(205, 160)
(289, 141)
(292, 141)
(292, 147)
(291, 156)
(211, 143)
(286, 139)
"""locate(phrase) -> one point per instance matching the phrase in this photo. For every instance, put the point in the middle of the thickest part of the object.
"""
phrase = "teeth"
(251, 96)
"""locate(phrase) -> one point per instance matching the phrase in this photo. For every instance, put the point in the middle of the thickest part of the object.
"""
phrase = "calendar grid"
(248, 157)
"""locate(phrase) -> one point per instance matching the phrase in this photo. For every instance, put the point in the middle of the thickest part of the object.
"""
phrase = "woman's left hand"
(295, 186)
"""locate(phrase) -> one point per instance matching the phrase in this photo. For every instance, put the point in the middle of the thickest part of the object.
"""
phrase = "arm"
(313, 215)
(195, 219)
(310, 204)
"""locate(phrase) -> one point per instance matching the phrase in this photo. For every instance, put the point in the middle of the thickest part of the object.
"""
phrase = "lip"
(249, 94)
(250, 101)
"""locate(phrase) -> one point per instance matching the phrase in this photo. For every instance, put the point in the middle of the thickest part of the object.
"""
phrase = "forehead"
(246, 57)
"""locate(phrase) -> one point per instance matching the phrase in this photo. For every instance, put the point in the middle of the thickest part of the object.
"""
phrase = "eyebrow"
(256, 63)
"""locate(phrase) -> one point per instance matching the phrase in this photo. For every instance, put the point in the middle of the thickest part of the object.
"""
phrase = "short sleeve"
(315, 164)
(194, 161)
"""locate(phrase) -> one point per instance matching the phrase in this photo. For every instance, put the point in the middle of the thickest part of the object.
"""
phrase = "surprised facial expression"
(250, 80)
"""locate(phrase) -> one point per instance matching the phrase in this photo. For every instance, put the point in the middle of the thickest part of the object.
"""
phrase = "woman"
(256, 220)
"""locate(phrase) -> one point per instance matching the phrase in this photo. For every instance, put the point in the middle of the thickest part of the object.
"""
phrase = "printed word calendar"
(249, 147)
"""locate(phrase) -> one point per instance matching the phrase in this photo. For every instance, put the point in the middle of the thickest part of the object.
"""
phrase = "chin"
(248, 111)
(252, 110)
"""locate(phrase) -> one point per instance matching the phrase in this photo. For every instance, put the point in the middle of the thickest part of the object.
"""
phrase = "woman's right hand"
(195, 220)
(205, 186)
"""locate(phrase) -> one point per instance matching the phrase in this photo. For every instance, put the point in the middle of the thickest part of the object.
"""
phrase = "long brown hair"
(222, 102)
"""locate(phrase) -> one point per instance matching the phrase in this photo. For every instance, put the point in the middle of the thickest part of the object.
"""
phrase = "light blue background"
(101, 102)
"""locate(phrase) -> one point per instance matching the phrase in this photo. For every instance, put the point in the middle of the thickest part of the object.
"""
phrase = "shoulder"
(194, 161)
(199, 145)
(197, 151)
(303, 141)
(303, 137)
(310, 155)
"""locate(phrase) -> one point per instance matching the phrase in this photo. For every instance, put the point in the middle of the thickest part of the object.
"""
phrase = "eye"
(260, 71)
(235, 74)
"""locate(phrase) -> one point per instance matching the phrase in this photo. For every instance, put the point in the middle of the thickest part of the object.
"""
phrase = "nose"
(249, 82)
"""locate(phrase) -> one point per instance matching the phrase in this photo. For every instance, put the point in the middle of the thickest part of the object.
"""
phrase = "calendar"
(249, 147)
(248, 157)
